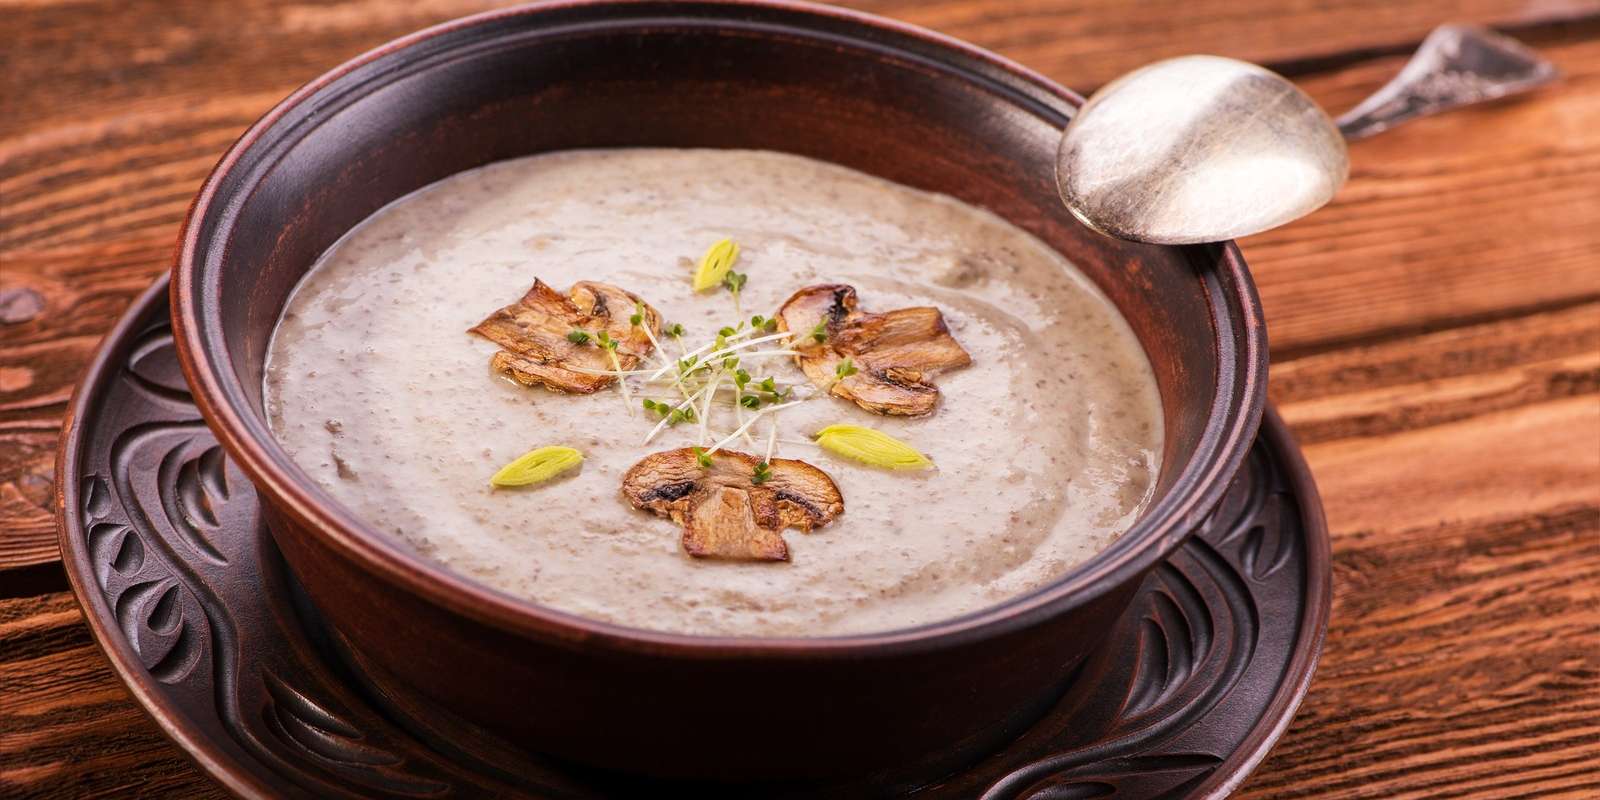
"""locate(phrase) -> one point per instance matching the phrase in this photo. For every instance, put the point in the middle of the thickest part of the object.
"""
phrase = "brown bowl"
(878, 96)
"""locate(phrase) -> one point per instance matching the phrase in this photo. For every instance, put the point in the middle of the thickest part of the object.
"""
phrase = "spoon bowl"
(1198, 149)
(1204, 148)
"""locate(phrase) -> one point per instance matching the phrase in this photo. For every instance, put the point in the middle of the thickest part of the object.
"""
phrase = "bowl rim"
(1235, 415)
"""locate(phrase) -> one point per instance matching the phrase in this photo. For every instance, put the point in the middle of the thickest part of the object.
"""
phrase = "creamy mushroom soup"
(990, 419)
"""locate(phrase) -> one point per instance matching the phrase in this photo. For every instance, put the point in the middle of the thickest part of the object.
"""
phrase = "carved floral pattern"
(164, 515)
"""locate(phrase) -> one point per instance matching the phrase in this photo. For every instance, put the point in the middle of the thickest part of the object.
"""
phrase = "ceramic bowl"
(881, 97)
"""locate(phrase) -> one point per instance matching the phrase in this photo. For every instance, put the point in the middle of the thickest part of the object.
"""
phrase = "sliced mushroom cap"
(896, 353)
(534, 331)
(725, 514)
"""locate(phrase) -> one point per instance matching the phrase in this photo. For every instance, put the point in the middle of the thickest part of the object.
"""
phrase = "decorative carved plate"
(187, 595)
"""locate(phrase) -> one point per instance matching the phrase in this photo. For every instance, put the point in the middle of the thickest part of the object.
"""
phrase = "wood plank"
(1450, 219)
(87, 58)
(71, 296)
(27, 472)
(1084, 43)
(1434, 331)
(1461, 474)
(1463, 658)
(67, 727)
(1451, 375)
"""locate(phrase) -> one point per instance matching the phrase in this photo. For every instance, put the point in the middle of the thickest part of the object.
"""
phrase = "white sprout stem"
(667, 363)
(772, 438)
(766, 353)
(740, 346)
(738, 412)
(667, 398)
(738, 335)
(667, 416)
(746, 426)
(781, 439)
(622, 382)
(657, 352)
(705, 411)
(725, 350)
(615, 372)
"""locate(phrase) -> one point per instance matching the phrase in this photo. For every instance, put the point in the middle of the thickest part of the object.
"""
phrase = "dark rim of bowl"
(1234, 416)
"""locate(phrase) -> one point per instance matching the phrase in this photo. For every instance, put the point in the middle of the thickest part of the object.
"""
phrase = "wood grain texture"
(67, 727)
(115, 112)
(1451, 219)
(1436, 336)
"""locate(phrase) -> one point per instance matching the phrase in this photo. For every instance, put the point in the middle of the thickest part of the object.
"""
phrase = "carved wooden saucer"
(189, 599)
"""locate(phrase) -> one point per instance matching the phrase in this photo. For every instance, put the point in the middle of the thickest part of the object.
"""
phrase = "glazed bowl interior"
(889, 101)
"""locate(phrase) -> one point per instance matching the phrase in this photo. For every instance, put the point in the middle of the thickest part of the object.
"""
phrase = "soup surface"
(1045, 446)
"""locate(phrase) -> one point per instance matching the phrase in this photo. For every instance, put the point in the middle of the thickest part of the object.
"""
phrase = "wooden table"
(1435, 344)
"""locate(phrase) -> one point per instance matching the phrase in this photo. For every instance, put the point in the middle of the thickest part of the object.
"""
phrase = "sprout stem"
(746, 426)
(708, 345)
(622, 382)
(665, 417)
(758, 340)
(705, 411)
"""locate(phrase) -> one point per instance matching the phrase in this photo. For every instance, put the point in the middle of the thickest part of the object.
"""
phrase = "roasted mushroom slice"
(535, 334)
(896, 354)
(725, 514)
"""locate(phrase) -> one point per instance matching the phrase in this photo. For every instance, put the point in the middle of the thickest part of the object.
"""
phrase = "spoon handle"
(1457, 65)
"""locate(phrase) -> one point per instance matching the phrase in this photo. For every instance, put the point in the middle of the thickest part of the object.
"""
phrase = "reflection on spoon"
(1204, 148)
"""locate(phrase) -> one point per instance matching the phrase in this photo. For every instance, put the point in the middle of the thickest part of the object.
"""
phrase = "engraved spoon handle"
(1456, 65)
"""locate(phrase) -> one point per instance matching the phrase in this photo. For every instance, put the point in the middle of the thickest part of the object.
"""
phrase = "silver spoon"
(1205, 148)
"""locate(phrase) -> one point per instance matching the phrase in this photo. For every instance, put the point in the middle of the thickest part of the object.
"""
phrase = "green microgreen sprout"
(702, 372)
(578, 336)
(735, 282)
(605, 340)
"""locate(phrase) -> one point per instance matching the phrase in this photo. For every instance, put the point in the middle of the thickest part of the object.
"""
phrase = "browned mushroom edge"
(724, 513)
(896, 353)
(533, 332)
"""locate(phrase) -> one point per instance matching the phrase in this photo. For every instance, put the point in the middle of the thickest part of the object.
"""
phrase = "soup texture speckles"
(1046, 446)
